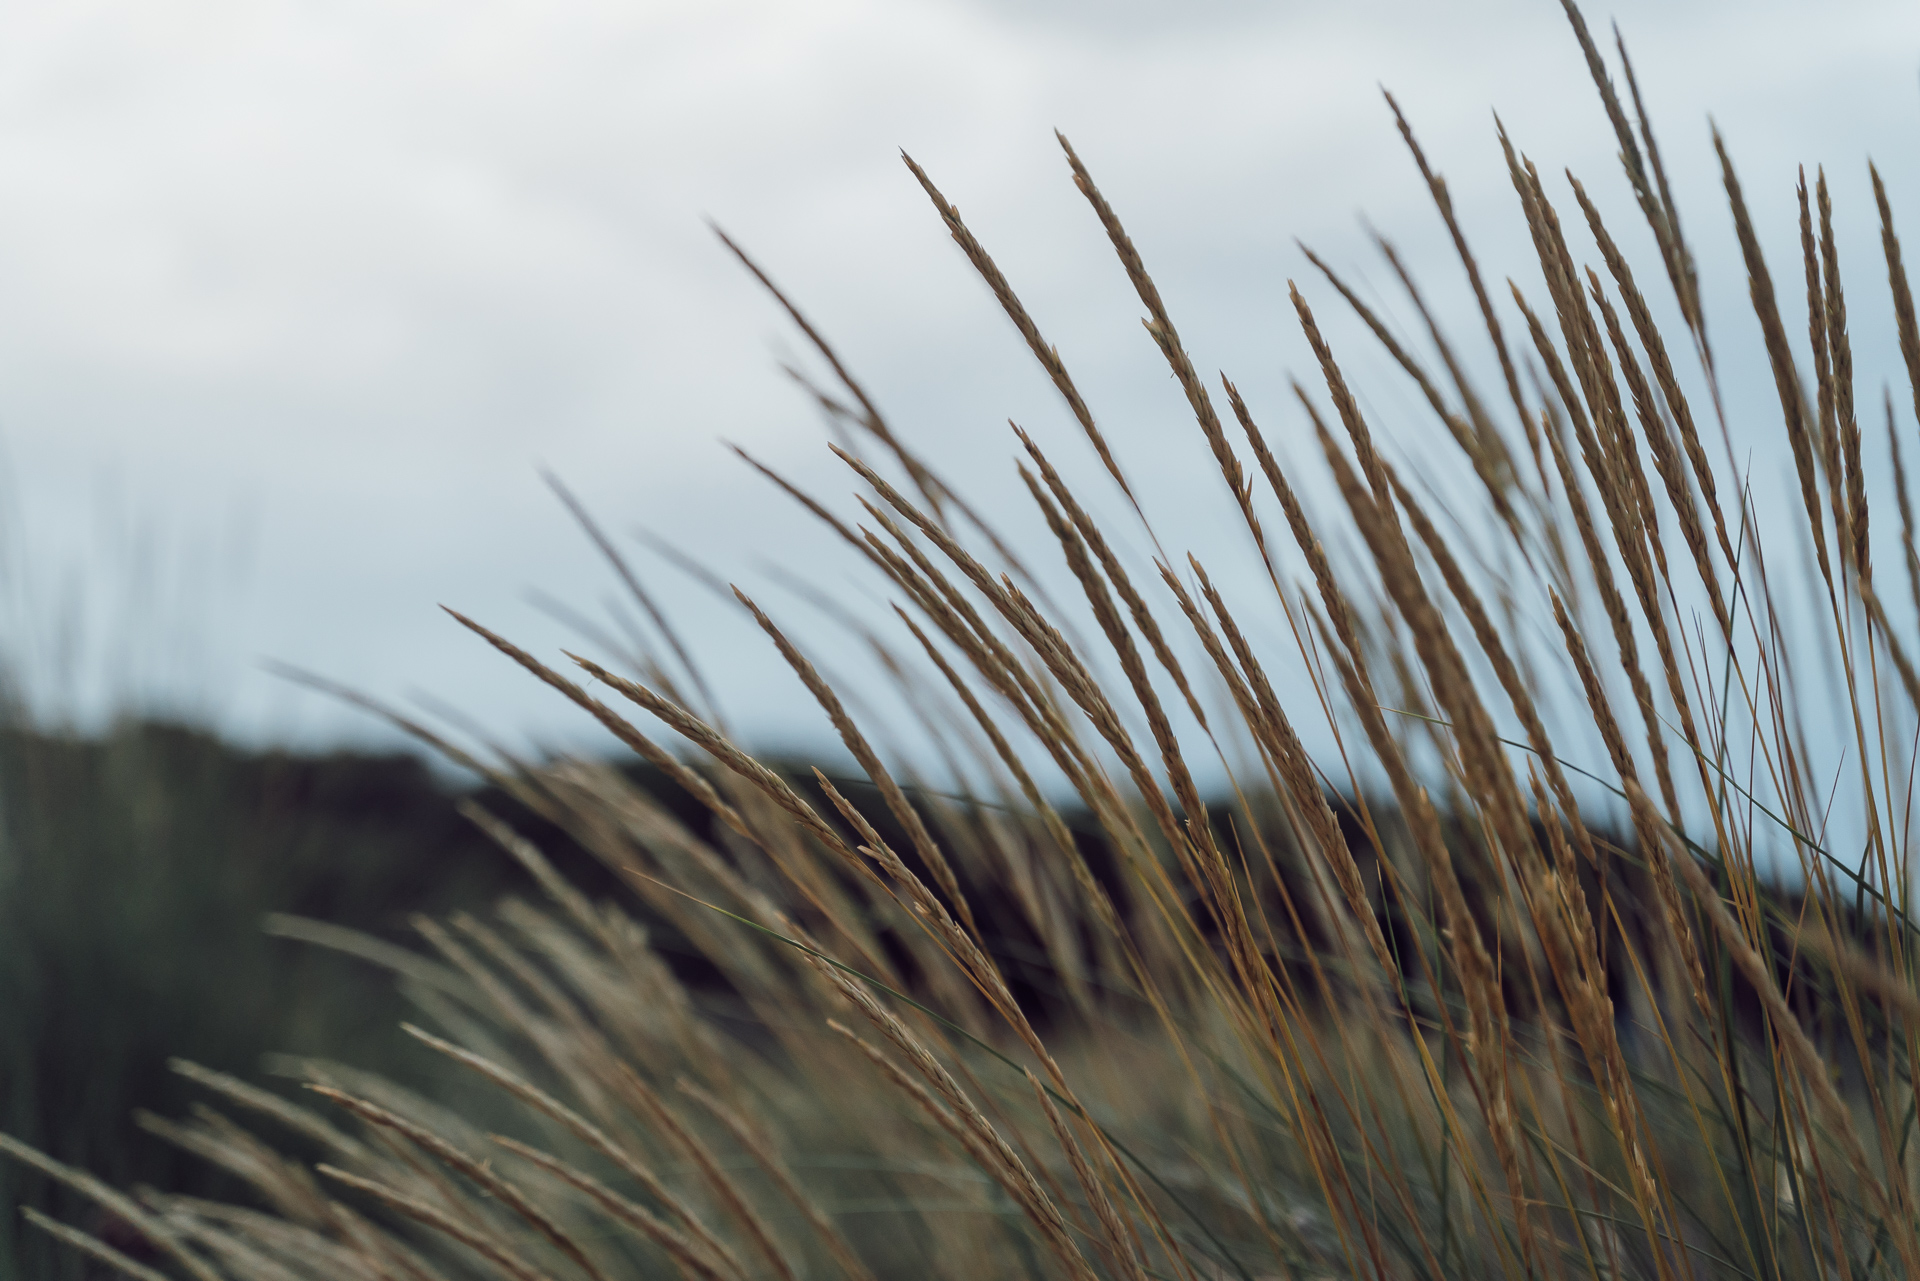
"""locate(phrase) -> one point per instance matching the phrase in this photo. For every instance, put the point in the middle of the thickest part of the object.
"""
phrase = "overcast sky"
(297, 299)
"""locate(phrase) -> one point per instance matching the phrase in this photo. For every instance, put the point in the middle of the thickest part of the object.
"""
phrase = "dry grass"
(1460, 1029)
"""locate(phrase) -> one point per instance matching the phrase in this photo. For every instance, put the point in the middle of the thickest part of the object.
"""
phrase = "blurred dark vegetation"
(136, 867)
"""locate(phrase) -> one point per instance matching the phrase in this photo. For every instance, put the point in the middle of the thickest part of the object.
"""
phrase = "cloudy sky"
(297, 300)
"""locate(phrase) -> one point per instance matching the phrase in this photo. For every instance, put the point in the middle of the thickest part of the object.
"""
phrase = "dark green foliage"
(135, 870)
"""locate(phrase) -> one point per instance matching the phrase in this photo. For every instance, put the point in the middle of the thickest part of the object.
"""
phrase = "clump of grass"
(1439, 1020)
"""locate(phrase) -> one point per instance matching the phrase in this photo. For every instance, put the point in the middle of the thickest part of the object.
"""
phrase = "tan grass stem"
(421, 1212)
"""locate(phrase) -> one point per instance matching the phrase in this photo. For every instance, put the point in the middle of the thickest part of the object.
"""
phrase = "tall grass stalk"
(1409, 1009)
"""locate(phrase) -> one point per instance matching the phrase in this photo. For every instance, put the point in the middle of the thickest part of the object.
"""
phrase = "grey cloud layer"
(354, 271)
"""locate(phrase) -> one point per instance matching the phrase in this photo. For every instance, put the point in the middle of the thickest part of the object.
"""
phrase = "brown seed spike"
(1904, 497)
(897, 803)
(1158, 323)
(1676, 402)
(1343, 402)
(1903, 309)
(1116, 573)
(1047, 355)
(1793, 406)
(869, 417)
(1827, 430)
(1842, 350)
(1461, 432)
(1444, 202)
(1488, 452)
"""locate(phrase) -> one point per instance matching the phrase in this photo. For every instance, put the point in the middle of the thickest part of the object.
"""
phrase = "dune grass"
(1413, 1009)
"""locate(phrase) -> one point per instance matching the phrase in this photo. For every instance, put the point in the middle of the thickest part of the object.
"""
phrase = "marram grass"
(1402, 1010)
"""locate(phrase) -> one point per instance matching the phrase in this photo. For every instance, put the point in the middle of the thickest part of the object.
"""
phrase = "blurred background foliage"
(137, 865)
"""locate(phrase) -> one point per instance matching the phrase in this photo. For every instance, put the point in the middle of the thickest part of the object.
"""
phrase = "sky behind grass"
(300, 298)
